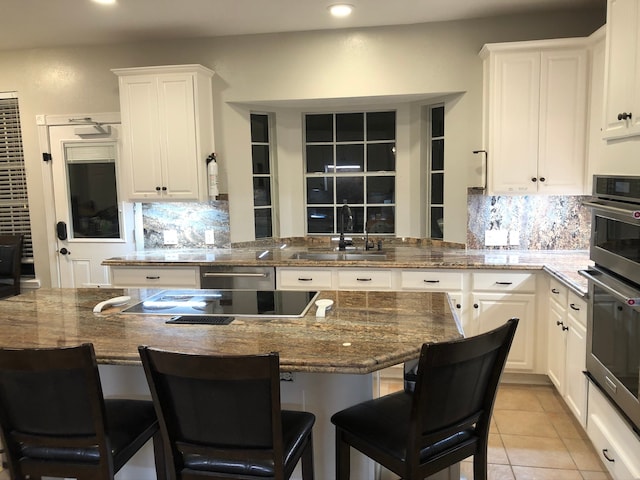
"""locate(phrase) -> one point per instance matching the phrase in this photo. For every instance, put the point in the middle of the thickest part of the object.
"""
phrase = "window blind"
(14, 202)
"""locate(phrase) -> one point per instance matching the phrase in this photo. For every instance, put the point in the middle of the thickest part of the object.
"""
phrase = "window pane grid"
(262, 175)
(14, 202)
(341, 164)
(436, 172)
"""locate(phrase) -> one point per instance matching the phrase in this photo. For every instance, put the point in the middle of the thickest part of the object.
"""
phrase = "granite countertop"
(563, 264)
(362, 333)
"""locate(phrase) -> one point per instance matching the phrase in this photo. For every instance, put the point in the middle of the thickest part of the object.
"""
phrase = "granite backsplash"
(534, 222)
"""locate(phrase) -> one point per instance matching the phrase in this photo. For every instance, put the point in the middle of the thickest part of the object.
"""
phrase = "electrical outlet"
(496, 238)
(170, 237)
(209, 237)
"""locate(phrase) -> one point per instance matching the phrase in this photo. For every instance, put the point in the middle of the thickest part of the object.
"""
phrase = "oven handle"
(632, 302)
(611, 209)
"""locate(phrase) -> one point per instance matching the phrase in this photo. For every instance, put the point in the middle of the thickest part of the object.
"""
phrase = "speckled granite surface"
(564, 264)
(364, 331)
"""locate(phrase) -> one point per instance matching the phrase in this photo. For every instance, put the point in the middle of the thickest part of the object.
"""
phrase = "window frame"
(269, 177)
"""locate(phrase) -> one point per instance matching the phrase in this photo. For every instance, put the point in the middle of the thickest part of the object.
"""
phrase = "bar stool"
(55, 422)
(220, 417)
(437, 422)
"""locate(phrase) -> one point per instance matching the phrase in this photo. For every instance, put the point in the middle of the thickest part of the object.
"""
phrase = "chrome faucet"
(345, 213)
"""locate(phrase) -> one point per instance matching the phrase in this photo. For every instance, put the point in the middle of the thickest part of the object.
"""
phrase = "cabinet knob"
(624, 116)
(458, 306)
(157, 189)
(475, 305)
(534, 179)
(164, 189)
(565, 328)
(542, 179)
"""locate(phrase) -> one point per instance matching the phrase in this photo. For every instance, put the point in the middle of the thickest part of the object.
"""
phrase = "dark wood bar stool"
(55, 422)
(220, 417)
(444, 420)
(10, 258)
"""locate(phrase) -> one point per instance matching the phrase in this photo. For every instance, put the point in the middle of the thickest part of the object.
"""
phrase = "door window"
(93, 199)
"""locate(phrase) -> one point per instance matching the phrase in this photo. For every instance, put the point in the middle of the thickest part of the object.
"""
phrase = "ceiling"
(55, 23)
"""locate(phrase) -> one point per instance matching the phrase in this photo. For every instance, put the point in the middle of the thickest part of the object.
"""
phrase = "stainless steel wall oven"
(613, 328)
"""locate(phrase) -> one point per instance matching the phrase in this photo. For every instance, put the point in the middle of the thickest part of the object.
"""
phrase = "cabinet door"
(513, 122)
(179, 155)
(576, 382)
(622, 69)
(563, 121)
(491, 310)
(556, 347)
(141, 164)
(304, 278)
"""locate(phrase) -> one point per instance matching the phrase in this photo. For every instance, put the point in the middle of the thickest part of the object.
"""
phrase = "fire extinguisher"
(212, 173)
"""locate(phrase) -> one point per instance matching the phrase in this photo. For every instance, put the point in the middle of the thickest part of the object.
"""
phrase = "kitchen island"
(332, 360)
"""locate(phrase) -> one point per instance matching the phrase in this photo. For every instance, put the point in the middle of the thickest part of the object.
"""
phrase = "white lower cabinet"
(364, 279)
(567, 346)
(155, 277)
(614, 440)
(304, 278)
(498, 296)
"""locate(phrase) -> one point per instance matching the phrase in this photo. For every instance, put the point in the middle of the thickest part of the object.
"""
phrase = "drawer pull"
(363, 279)
(305, 279)
(573, 307)
(235, 275)
(555, 291)
(431, 281)
(605, 453)
(504, 283)
(153, 277)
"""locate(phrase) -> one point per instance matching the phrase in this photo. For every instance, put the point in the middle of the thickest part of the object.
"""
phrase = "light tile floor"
(533, 437)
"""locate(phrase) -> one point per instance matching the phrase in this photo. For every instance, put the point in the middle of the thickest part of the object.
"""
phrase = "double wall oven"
(613, 329)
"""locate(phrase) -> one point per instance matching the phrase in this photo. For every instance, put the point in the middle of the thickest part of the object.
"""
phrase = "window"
(436, 173)
(261, 154)
(14, 203)
(350, 158)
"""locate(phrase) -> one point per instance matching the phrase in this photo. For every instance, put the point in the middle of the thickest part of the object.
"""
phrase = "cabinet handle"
(431, 281)
(157, 189)
(558, 322)
(504, 283)
(555, 291)
(475, 305)
(624, 116)
(534, 179)
(573, 307)
(458, 306)
(363, 279)
(149, 277)
(565, 328)
(304, 279)
(605, 453)
(542, 179)
(164, 189)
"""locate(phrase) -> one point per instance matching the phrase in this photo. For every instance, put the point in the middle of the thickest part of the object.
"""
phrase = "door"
(91, 222)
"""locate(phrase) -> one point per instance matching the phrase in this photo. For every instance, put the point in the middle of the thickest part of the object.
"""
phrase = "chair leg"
(307, 460)
(343, 467)
(159, 456)
(480, 464)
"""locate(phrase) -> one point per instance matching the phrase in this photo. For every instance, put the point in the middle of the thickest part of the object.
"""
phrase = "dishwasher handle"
(234, 275)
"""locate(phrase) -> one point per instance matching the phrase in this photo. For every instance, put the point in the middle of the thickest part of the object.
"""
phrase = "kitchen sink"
(339, 256)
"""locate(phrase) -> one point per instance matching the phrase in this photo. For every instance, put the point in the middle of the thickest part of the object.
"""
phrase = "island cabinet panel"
(622, 70)
(167, 123)
(160, 277)
(557, 337)
(496, 297)
(535, 115)
(431, 280)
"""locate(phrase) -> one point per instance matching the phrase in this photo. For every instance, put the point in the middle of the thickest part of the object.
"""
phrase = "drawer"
(577, 308)
(558, 292)
(504, 281)
(304, 279)
(361, 279)
(432, 280)
(187, 277)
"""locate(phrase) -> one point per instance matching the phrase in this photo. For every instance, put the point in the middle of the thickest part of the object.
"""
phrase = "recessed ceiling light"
(341, 9)
(105, 2)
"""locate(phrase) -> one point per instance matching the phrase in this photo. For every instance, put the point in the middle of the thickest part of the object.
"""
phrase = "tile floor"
(533, 437)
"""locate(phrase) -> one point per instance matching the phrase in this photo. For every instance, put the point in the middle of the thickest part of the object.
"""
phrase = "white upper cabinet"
(535, 107)
(167, 123)
(622, 70)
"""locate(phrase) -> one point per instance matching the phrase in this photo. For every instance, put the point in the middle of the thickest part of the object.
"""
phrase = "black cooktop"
(236, 303)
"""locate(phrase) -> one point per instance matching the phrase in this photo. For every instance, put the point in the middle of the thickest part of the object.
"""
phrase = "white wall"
(308, 68)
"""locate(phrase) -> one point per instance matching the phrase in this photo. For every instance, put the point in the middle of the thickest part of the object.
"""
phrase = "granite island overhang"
(365, 331)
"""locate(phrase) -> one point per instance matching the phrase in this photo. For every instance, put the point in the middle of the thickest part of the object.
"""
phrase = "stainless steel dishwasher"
(226, 277)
